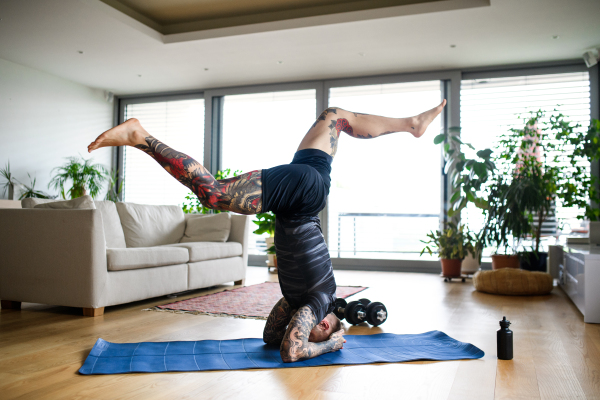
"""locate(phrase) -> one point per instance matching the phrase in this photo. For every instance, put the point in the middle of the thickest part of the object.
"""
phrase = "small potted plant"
(266, 224)
(11, 182)
(29, 191)
(452, 246)
(85, 177)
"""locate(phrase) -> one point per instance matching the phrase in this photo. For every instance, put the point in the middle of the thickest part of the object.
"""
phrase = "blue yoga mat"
(213, 355)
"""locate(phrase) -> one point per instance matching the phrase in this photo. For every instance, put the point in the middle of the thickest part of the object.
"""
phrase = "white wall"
(44, 118)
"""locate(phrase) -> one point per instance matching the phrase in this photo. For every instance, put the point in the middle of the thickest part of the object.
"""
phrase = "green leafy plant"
(115, 188)
(11, 181)
(533, 165)
(31, 191)
(192, 204)
(271, 250)
(452, 243)
(266, 224)
(469, 176)
(84, 177)
(579, 188)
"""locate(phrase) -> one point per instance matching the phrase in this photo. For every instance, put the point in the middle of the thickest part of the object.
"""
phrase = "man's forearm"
(295, 345)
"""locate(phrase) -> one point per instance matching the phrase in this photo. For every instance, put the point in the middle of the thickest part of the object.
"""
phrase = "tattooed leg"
(278, 320)
(241, 194)
(324, 133)
(295, 345)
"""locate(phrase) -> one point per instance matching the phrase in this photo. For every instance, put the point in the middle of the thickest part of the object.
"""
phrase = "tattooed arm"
(277, 322)
(295, 345)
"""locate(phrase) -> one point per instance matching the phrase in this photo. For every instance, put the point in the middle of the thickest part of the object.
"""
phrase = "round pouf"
(515, 282)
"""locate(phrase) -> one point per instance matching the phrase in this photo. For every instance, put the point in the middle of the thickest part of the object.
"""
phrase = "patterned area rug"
(254, 301)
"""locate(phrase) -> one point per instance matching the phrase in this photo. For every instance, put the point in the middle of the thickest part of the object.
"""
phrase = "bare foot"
(129, 133)
(420, 122)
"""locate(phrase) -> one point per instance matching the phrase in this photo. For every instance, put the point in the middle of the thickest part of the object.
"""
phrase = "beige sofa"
(114, 254)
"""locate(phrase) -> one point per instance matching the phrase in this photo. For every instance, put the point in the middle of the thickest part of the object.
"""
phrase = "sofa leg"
(11, 305)
(93, 312)
(240, 282)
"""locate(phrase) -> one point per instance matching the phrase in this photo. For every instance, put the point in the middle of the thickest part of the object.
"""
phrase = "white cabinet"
(579, 277)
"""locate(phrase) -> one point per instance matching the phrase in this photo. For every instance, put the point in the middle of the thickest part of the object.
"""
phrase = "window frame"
(450, 84)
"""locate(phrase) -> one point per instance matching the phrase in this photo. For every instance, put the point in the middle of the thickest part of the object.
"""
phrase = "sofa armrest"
(240, 233)
(53, 257)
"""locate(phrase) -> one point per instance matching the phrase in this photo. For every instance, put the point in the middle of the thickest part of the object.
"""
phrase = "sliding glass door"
(180, 124)
(264, 130)
(385, 192)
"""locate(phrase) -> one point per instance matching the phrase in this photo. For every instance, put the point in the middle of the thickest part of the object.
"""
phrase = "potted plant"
(115, 188)
(11, 182)
(452, 246)
(504, 219)
(534, 162)
(578, 187)
(84, 177)
(31, 192)
(266, 224)
(469, 177)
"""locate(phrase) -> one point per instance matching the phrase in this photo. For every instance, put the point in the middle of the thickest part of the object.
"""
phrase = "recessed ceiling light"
(80, 51)
(452, 46)
(555, 37)
(139, 76)
(279, 62)
(206, 69)
(361, 54)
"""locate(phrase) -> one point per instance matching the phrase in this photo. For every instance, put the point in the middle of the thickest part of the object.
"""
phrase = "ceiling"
(98, 45)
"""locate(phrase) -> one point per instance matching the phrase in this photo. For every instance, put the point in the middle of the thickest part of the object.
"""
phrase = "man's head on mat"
(325, 328)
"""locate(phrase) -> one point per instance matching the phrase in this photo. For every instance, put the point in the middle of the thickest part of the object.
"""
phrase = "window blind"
(490, 107)
(180, 125)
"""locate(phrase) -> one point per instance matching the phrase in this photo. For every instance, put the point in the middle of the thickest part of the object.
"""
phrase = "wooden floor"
(557, 356)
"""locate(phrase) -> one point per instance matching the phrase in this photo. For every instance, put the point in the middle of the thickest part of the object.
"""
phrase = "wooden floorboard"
(556, 355)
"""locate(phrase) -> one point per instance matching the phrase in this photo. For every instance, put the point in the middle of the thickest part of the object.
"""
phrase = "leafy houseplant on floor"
(535, 158)
(85, 177)
(266, 224)
(579, 188)
(452, 246)
(469, 177)
(30, 191)
(11, 182)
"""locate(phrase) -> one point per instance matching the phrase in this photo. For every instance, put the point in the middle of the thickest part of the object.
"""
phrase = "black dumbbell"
(356, 312)
(376, 312)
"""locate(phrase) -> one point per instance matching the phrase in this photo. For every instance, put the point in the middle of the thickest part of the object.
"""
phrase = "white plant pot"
(470, 264)
(595, 232)
(270, 257)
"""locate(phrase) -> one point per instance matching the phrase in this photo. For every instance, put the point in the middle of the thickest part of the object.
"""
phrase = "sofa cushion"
(145, 257)
(80, 203)
(203, 251)
(207, 228)
(147, 226)
(113, 232)
(31, 202)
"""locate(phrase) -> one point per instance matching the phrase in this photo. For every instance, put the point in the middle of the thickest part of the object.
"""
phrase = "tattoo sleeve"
(241, 194)
(278, 320)
(295, 345)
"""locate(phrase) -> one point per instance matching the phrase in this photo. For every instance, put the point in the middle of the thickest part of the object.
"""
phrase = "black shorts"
(296, 193)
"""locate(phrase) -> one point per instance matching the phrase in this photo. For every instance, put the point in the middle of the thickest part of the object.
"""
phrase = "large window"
(489, 107)
(385, 193)
(264, 130)
(179, 124)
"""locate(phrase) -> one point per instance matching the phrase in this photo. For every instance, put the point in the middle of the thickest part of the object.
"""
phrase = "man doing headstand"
(302, 322)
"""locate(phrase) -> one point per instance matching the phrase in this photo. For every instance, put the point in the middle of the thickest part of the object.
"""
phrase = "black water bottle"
(505, 341)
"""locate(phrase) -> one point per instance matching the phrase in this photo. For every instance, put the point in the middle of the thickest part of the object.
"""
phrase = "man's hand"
(337, 339)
